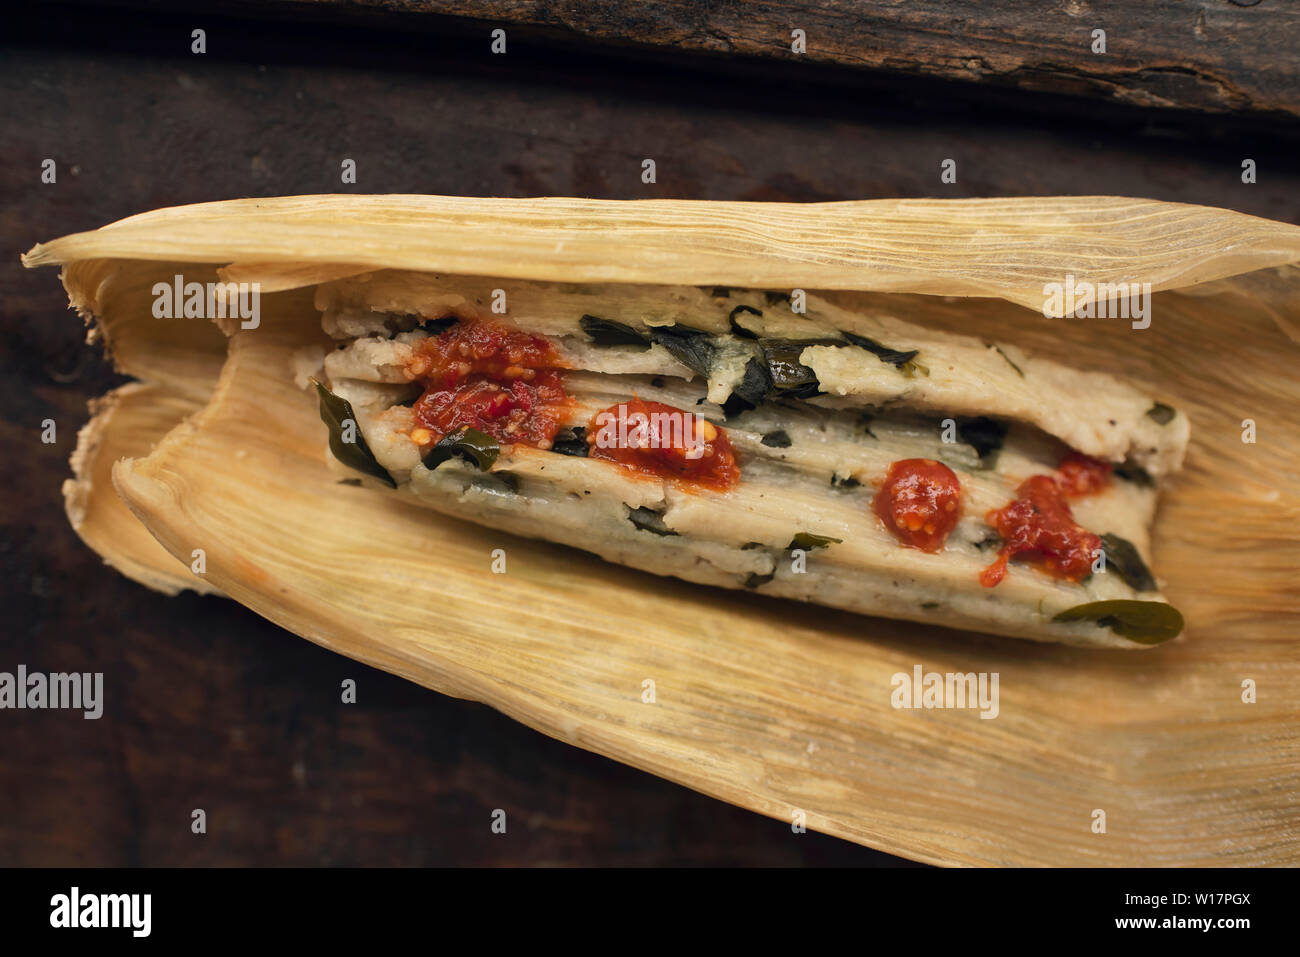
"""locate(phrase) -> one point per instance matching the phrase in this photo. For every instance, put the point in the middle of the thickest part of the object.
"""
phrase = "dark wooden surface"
(1212, 55)
(209, 706)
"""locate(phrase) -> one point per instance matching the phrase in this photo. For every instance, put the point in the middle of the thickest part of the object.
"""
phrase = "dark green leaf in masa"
(466, 443)
(693, 348)
(1123, 557)
(1019, 371)
(336, 412)
(648, 520)
(808, 541)
(750, 392)
(1136, 474)
(605, 332)
(780, 439)
(1146, 622)
(983, 434)
(1163, 414)
(438, 326)
(737, 328)
(790, 377)
(572, 442)
(903, 360)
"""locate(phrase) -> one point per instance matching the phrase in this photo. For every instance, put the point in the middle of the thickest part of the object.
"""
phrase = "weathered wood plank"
(1214, 56)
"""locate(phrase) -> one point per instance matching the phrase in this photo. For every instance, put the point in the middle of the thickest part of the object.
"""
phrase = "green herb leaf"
(899, 359)
(994, 345)
(780, 439)
(736, 328)
(848, 481)
(808, 541)
(1135, 474)
(1146, 622)
(1123, 556)
(438, 326)
(756, 580)
(1163, 414)
(469, 444)
(335, 411)
(895, 357)
(750, 392)
(984, 435)
(572, 442)
(606, 332)
(693, 348)
(788, 376)
(648, 520)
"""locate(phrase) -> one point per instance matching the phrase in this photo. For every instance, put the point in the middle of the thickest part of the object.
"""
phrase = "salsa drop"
(919, 503)
(1039, 526)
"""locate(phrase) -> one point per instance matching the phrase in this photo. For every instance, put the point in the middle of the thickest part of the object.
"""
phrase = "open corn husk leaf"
(780, 707)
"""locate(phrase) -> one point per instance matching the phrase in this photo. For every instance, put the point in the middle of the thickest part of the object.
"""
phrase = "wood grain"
(1215, 56)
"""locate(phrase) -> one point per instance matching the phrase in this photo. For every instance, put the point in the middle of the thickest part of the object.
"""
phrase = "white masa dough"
(841, 443)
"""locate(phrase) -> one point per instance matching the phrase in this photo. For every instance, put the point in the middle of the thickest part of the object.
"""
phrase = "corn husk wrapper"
(779, 707)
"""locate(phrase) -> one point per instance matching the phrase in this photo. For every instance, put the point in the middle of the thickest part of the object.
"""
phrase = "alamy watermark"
(931, 689)
(75, 909)
(82, 691)
(656, 429)
(1080, 299)
(208, 300)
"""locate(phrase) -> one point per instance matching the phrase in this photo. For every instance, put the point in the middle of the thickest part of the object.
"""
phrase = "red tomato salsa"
(664, 442)
(920, 503)
(1080, 475)
(1038, 526)
(487, 376)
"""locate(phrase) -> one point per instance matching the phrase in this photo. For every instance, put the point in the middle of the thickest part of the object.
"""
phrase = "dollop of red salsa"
(1081, 474)
(659, 440)
(920, 503)
(488, 376)
(1039, 527)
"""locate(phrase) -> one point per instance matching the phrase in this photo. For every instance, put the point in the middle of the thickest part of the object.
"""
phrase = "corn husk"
(779, 707)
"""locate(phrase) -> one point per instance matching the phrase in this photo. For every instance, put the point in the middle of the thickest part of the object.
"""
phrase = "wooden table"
(208, 706)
